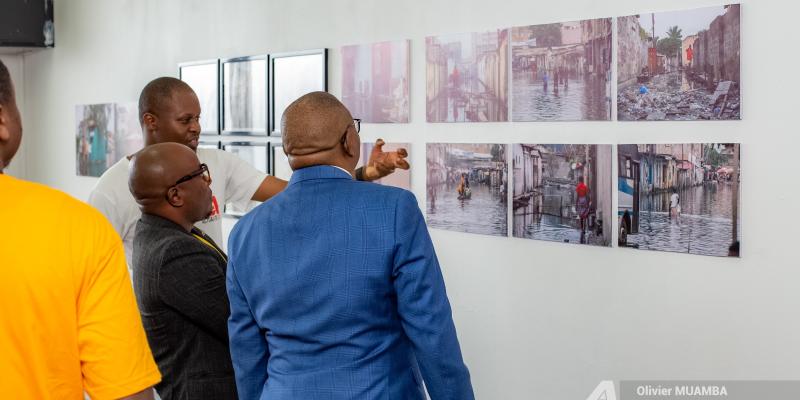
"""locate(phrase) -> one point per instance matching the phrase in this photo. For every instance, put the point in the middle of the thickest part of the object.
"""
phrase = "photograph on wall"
(293, 75)
(244, 96)
(94, 138)
(375, 81)
(679, 197)
(467, 77)
(128, 136)
(561, 71)
(204, 81)
(400, 177)
(467, 187)
(279, 163)
(104, 134)
(679, 65)
(254, 154)
(562, 193)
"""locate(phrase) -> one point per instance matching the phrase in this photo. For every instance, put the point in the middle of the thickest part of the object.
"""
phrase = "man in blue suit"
(334, 285)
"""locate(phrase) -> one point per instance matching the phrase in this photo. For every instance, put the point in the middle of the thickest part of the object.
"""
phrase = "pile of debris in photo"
(660, 97)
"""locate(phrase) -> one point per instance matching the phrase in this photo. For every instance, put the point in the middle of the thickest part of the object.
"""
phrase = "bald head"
(316, 130)
(153, 181)
(158, 93)
(157, 167)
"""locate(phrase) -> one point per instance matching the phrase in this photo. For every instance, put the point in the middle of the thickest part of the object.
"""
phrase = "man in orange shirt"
(68, 318)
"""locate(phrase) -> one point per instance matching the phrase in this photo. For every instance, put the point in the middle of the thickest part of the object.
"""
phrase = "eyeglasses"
(202, 171)
(356, 124)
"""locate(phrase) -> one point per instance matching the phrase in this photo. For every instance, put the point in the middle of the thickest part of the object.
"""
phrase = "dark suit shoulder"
(164, 245)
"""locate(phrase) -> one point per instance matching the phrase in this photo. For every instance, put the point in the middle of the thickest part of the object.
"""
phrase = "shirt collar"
(319, 172)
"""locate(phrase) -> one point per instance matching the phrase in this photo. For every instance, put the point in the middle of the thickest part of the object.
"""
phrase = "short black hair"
(158, 92)
(5, 85)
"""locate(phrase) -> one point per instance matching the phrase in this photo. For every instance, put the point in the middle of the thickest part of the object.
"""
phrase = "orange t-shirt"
(68, 317)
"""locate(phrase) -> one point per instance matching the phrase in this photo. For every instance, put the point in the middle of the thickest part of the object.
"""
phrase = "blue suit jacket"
(336, 293)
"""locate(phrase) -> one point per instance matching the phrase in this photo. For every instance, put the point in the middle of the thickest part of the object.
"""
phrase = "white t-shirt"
(233, 180)
(674, 200)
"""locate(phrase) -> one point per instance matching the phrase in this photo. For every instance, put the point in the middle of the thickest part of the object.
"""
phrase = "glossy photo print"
(244, 95)
(94, 138)
(105, 133)
(375, 81)
(467, 187)
(203, 77)
(679, 65)
(128, 136)
(293, 75)
(679, 197)
(279, 163)
(467, 77)
(400, 177)
(562, 193)
(562, 71)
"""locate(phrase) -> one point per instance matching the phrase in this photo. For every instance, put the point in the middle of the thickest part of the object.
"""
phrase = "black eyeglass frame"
(356, 124)
(186, 178)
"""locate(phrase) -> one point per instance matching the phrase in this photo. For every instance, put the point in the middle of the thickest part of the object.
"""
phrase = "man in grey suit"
(179, 275)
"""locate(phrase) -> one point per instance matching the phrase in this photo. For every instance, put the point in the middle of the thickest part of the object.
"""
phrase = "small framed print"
(244, 95)
(254, 153)
(293, 75)
(279, 162)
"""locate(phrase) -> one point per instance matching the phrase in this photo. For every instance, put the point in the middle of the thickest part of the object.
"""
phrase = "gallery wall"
(536, 319)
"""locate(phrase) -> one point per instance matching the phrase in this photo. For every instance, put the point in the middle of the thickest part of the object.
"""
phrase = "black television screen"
(26, 23)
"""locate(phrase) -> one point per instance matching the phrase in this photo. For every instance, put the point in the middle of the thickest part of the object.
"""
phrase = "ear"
(348, 147)
(174, 197)
(149, 121)
(5, 135)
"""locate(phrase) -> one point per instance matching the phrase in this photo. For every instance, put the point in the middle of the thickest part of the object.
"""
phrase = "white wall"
(14, 63)
(536, 319)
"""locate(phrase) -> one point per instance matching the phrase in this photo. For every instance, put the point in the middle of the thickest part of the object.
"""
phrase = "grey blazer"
(180, 288)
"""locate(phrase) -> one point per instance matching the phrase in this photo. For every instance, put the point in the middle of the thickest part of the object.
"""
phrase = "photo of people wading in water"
(468, 188)
(679, 65)
(562, 71)
(680, 197)
(562, 193)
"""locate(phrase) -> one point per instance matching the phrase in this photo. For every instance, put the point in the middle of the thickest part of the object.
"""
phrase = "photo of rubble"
(468, 187)
(562, 193)
(680, 65)
(680, 197)
(562, 71)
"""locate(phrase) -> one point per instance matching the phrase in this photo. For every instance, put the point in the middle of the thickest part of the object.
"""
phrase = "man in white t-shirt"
(169, 111)
(674, 205)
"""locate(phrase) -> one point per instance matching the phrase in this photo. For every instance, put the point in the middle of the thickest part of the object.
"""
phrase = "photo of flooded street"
(680, 65)
(562, 193)
(467, 188)
(562, 71)
(680, 198)
(467, 77)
